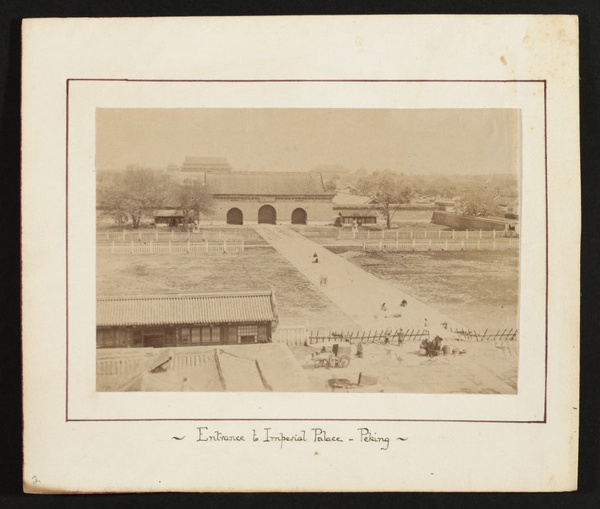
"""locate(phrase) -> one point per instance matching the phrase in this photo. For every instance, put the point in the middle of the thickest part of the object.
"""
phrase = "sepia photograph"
(308, 250)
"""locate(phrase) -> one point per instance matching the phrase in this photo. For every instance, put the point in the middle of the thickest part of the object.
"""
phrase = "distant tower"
(197, 164)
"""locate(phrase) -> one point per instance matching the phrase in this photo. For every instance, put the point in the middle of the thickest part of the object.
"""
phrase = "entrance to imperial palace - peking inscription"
(299, 216)
(235, 216)
(267, 215)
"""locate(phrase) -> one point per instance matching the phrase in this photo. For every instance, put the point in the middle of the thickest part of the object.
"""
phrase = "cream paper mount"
(80, 438)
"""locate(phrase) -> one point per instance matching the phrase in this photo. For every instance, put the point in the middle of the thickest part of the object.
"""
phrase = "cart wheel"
(343, 362)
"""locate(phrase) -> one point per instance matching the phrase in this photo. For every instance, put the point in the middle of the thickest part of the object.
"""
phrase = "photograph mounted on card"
(292, 252)
(331, 238)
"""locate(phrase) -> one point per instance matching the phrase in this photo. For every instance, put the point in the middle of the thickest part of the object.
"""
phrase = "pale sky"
(443, 141)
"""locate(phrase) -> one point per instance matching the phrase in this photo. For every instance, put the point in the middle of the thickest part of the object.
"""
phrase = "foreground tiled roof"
(185, 309)
(266, 184)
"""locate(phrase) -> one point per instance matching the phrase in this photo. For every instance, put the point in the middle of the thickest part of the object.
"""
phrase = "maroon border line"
(135, 80)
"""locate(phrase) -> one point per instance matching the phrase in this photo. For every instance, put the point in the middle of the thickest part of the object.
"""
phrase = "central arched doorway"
(267, 214)
(299, 216)
(235, 216)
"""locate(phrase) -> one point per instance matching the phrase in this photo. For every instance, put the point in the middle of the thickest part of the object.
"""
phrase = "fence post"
(170, 246)
(439, 234)
(397, 233)
(368, 234)
(411, 235)
(224, 245)
(494, 233)
(188, 245)
(397, 246)
(429, 244)
(467, 233)
(123, 234)
(479, 233)
(413, 244)
(132, 247)
(140, 236)
(425, 233)
(112, 247)
(151, 247)
(462, 245)
(242, 244)
(156, 235)
(452, 233)
(172, 235)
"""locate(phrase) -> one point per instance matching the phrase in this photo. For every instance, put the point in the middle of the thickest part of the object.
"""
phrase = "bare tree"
(192, 198)
(133, 193)
(387, 189)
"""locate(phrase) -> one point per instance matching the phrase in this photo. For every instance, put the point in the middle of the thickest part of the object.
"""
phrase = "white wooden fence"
(442, 245)
(165, 236)
(170, 247)
(290, 335)
(403, 235)
(191, 360)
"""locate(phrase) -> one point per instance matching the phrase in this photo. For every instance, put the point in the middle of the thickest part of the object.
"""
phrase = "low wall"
(467, 222)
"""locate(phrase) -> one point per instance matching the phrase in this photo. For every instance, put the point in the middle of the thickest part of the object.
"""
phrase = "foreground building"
(185, 320)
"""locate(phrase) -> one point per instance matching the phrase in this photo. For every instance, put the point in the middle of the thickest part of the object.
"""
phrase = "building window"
(185, 335)
(203, 335)
(247, 334)
(195, 334)
(105, 338)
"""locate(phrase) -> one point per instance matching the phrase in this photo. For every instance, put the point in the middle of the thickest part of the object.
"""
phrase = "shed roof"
(168, 213)
(185, 309)
(266, 184)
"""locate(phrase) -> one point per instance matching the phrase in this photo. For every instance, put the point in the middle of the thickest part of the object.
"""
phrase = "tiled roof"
(185, 309)
(266, 184)
(350, 199)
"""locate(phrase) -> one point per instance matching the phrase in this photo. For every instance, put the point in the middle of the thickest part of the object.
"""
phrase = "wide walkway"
(356, 292)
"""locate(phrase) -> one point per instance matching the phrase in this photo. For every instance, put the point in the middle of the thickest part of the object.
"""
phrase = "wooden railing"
(442, 245)
(169, 247)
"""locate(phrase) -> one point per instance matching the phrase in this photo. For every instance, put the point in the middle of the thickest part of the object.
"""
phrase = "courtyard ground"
(299, 302)
(478, 288)
(484, 368)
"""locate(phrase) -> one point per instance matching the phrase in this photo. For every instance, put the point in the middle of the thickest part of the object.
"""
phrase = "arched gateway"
(267, 215)
(299, 216)
(235, 216)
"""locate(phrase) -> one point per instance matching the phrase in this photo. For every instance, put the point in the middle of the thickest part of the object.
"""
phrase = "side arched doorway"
(267, 214)
(299, 216)
(235, 216)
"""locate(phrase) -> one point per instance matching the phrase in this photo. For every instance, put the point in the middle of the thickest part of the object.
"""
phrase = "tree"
(192, 198)
(476, 201)
(133, 193)
(387, 189)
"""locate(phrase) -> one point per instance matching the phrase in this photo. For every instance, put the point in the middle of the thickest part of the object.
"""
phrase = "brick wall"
(467, 222)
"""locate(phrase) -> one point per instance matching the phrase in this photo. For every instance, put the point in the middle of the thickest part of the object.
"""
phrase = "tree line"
(135, 193)
(130, 195)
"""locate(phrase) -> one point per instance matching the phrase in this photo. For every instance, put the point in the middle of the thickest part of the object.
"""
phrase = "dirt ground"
(477, 288)
(483, 368)
(299, 302)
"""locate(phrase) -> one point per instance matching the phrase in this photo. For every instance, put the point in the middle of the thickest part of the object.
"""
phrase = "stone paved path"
(360, 295)
(354, 291)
